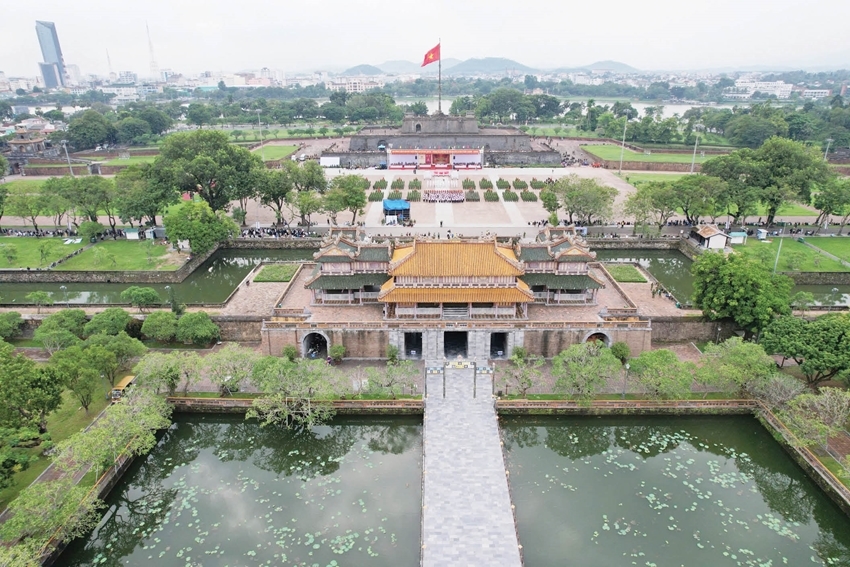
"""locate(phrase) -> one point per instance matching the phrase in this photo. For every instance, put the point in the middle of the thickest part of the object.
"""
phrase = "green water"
(665, 491)
(212, 282)
(673, 270)
(222, 491)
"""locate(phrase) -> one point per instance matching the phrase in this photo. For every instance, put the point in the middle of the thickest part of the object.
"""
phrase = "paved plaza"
(467, 518)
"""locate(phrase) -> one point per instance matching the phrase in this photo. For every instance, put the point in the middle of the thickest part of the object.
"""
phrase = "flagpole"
(440, 78)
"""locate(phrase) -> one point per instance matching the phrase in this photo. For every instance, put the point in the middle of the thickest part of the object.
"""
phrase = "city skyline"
(190, 41)
(53, 65)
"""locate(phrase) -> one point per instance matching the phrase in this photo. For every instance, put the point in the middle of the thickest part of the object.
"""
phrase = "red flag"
(432, 55)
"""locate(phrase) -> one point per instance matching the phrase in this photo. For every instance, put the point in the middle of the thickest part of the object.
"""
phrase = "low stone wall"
(650, 166)
(689, 328)
(56, 171)
(625, 407)
(275, 243)
(241, 405)
(239, 328)
(819, 278)
(523, 158)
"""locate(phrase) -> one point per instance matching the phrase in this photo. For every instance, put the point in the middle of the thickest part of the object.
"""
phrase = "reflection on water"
(224, 491)
(665, 491)
(212, 282)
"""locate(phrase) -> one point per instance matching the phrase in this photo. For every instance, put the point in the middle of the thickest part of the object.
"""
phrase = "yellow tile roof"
(457, 295)
(455, 258)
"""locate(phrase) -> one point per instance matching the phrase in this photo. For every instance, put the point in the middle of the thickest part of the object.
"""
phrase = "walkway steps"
(467, 518)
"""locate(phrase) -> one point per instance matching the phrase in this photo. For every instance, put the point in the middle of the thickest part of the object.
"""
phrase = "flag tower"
(432, 55)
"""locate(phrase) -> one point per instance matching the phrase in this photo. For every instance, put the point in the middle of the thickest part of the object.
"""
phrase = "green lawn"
(127, 255)
(625, 273)
(29, 255)
(837, 246)
(813, 262)
(57, 165)
(272, 152)
(276, 273)
(638, 178)
(23, 184)
(64, 422)
(612, 153)
(132, 160)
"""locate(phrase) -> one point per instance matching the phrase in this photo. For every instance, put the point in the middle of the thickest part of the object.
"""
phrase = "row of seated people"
(435, 166)
(443, 196)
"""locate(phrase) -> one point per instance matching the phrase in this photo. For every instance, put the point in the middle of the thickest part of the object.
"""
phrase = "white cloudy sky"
(196, 35)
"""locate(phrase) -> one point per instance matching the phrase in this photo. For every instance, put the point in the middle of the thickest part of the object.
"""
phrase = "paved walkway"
(467, 517)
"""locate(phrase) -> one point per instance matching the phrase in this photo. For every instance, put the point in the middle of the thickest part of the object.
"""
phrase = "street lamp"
(694, 159)
(170, 297)
(262, 139)
(623, 147)
(64, 290)
(625, 378)
(67, 157)
(828, 142)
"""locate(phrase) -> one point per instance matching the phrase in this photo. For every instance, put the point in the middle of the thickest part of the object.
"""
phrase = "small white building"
(710, 237)
(131, 233)
(737, 238)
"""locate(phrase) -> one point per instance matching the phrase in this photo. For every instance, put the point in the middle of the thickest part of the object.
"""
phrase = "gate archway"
(314, 345)
(598, 337)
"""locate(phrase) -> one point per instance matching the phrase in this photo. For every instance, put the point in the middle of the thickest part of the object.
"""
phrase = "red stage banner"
(432, 55)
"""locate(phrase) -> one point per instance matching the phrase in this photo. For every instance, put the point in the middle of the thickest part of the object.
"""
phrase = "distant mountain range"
(484, 66)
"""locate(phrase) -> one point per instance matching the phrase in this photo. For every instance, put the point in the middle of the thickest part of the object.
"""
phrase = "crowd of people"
(443, 196)
(272, 232)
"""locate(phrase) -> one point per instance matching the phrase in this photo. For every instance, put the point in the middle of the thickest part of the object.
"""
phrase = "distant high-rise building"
(53, 67)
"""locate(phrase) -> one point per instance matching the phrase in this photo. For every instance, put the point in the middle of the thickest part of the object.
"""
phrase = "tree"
(26, 205)
(122, 346)
(72, 367)
(160, 326)
(273, 188)
(777, 390)
(29, 394)
(550, 201)
(584, 369)
(584, 199)
(740, 288)
(198, 114)
(735, 365)
(662, 375)
(205, 162)
(110, 321)
(10, 252)
(655, 202)
(350, 192)
(699, 195)
(230, 368)
(833, 199)
(90, 229)
(13, 454)
(132, 130)
(72, 320)
(200, 225)
(141, 297)
(197, 328)
(158, 372)
(304, 204)
(39, 298)
(821, 348)
(337, 353)
(90, 129)
(523, 372)
(10, 325)
(391, 380)
(815, 417)
(141, 196)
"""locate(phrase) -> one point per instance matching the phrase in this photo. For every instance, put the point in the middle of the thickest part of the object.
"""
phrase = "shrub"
(397, 184)
(468, 184)
(89, 230)
(160, 326)
(621, 351)
(414, 184)
(392, 354)
(491, 196)
(376, 196)
(141, 297)
(520, 184)
(414, 196)
(336, 352)
(502, 183)
(290, 353)
(10, 324)
(71, 320)
(197, 328)
(510, 196)
(485, 184)
(108, 322)
(394, 195)
(528, 196)
(474, 196)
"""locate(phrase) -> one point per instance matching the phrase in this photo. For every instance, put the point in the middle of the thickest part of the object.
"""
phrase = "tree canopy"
(200, 225)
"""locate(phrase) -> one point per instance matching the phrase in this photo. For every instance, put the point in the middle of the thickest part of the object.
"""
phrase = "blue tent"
(398, 207)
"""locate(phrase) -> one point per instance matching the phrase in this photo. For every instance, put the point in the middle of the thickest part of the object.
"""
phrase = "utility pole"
(694, 159)
(623, 147)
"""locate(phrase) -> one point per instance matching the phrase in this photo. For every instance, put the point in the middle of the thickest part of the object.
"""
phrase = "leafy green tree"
(391, 380)
(523, 372)
(11, 324)
(29, 394)
(654, 203)
(290, 353)
(200, 225)
(305, 204)
(584, 369)
(122, 346)
(273, 188)
(802, 300)
(738, 287)
(550, 201)
(662, 375)
(72, 320)
(90, 129)
(821, 348)
(141, 196)
(132, 130)
(141, 297)
(735, 365)
(337, 352)
(350, 192)
(583, 199)
(90, 229)
(10, 252)
(160, 326)
(198, 114)
(833, 199)
(205, 162)
(230, 368)
(13, 455)
(73, 368)
(158, 121)
(110, 321)
(26, 205)
(158, 372)
(197, 328)
(699, 196)
(621, 351)
(39, 298)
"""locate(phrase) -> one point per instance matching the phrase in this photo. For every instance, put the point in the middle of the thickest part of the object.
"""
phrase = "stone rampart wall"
(819, 278)
(493, 142)
(523, 158)
(689, 328)
(56, 171)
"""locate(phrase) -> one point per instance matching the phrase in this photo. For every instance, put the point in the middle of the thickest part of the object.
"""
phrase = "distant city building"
(127, 78)
(74, 76)
(816, 94)
(354, 85)
(779, 89)
(53, 67)
(123, 93)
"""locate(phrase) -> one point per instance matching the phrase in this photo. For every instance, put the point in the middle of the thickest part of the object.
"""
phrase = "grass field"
(132, 160)
(812, 260)
(625, 273)
(128, 255)
(276, 273)
(638, 178)
(271, 152)
(29, 255)
(64, 422)
(837, 246)
(23, 184)
(608, 152)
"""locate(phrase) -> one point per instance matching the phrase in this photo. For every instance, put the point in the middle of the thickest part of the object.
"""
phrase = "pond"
(211, 282)
(219, 490)
(663, 491)
(673, 270)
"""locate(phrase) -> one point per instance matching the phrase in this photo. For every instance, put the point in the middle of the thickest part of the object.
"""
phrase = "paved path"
(467, 517)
